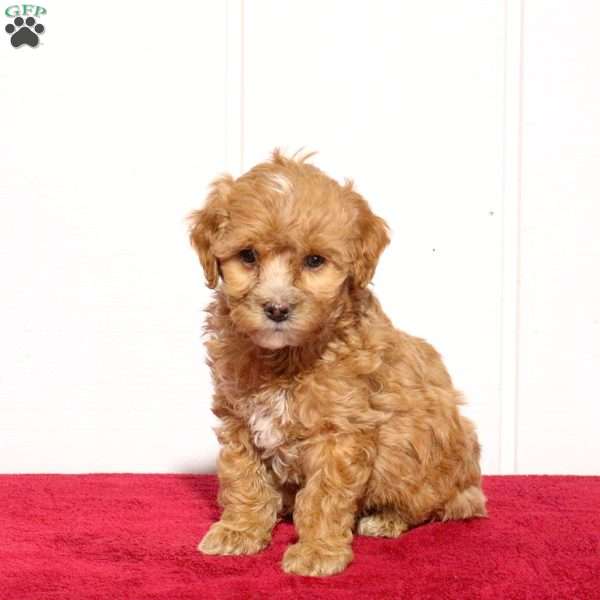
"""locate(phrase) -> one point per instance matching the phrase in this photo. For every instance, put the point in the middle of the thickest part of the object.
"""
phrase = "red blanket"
(121, 537)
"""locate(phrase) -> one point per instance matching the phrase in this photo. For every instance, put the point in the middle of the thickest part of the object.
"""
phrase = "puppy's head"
(288, 243)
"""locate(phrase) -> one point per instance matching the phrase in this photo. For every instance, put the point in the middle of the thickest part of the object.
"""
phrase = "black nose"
(277, 312)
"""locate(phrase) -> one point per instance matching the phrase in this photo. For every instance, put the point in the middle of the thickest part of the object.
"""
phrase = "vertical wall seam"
(511, 214)
(234, 86)
(519, 225)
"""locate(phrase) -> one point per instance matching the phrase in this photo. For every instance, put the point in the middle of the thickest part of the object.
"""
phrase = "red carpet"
(97, 537)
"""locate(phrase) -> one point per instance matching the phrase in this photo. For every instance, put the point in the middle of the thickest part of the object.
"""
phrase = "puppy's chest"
(275, 431)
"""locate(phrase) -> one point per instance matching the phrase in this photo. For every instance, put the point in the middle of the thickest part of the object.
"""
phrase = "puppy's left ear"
(373, 237)
(207, 224)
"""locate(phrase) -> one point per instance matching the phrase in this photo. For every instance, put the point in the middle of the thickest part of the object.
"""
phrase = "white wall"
(559, 359)
(471, 127)
(111, 130)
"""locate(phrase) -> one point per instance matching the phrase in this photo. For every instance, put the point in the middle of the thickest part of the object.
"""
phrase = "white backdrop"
(473, 128)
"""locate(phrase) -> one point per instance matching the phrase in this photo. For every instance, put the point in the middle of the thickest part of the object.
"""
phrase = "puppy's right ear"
(207, 224)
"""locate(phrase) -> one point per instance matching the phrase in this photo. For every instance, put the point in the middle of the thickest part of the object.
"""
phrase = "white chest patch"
(267, 420)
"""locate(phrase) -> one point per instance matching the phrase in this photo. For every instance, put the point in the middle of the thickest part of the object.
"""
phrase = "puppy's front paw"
(221, 539)
(313, 559)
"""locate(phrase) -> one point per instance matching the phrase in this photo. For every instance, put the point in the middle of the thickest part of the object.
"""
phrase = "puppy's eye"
(248, 256)
(313, 261)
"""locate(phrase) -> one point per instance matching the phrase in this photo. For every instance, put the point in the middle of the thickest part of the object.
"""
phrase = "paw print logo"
(24, 32)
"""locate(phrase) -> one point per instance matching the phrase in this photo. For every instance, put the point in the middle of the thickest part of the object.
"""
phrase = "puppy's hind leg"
(385, 523)
(465, 504)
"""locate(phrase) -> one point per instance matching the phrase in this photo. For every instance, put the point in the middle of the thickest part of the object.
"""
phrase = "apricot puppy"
(327, 412)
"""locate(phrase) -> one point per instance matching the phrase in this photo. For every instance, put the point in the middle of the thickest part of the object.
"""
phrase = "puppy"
(327, 412)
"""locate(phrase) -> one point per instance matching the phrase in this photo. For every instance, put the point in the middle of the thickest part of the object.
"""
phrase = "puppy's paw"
(315, 560)
(381, 525)
(221, 539)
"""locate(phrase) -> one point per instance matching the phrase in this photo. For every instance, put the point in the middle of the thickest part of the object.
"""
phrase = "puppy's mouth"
(274, 336)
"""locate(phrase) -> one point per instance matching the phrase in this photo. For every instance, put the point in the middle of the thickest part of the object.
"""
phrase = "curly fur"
(332, 415)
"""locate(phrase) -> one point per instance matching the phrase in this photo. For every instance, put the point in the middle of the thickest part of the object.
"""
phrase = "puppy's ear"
(207, 224)
(372, 238)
